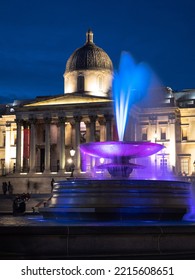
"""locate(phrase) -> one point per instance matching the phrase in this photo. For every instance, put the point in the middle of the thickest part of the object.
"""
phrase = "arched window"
(80, 83)
(100, 82)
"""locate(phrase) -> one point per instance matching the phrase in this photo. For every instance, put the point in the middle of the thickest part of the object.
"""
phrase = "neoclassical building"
(36, 136)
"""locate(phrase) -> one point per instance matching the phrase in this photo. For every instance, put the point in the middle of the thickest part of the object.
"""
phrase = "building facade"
(36, 136)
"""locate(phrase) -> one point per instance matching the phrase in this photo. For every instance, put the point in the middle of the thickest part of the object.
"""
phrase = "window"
(100, 82)
(184, 135)
(144, 134)
(80, 83)
(184, 165)
(163, 133)
(163, 164)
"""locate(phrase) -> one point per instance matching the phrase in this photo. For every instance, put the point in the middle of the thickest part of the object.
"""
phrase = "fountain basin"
(118, 200)
(120, 154)
(127, 149)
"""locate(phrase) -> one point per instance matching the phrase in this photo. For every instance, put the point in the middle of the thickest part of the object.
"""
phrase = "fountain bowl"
(122, 149)
(120, 154)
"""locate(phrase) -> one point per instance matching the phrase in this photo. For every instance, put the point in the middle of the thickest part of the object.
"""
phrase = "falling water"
(131, 84)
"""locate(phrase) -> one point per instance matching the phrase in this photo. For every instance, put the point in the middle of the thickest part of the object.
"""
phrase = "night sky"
(37, 38)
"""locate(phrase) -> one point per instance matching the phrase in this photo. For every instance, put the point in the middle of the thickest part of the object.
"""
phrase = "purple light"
(120, 149)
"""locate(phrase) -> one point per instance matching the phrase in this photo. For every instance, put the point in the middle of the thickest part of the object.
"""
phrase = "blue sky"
(37, 38)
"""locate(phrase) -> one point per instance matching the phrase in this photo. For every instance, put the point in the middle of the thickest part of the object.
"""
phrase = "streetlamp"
(71, 161)
(72, 152)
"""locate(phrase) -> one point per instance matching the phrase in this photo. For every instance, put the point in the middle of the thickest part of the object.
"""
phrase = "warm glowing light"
(72, 152)
(70, 160)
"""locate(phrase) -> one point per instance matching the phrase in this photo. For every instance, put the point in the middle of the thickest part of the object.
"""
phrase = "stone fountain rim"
(93, 148)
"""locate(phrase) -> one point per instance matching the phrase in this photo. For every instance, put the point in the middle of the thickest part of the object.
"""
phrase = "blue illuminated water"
(38, 220)
(131, 84)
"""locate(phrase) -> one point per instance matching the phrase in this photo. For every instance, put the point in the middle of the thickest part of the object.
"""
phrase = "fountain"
(121, 198)
(115, 218)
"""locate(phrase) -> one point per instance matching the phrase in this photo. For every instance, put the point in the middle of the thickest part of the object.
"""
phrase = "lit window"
(100, 82)
(184, 165)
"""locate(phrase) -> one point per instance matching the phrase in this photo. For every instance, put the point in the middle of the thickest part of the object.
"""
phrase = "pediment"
(66, 99)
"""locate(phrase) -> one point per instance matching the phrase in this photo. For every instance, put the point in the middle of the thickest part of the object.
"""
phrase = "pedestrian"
(28, 186)
(10, 188)
(52, 184)
(4, 188)
(72, 167)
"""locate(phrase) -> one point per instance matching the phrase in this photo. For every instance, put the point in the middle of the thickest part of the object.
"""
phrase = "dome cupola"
(89, 57)
(88, 70)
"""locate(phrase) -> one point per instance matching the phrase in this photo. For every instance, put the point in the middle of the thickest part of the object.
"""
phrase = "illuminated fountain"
(130, 85)
(120, 198)
(120, 154)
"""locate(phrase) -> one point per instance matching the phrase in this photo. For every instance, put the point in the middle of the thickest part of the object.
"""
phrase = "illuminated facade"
(37, 136)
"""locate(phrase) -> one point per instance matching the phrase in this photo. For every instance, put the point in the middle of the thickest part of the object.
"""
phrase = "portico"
(44, 139)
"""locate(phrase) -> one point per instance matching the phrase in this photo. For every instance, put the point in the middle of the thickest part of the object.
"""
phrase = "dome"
(89, 57)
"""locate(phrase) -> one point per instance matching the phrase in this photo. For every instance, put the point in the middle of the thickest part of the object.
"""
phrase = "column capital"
(108, 117)
(47, 120)
(62, 119)
(32, 121)
(93, 118)
(19, 121)
(25, 123)
(77, 118)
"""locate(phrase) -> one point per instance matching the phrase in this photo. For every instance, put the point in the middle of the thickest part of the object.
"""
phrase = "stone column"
(92, 136)
(26, 138)
(62, 157)
(7, 147)
(77, 120)
(92, 127)
(18, 145)
(86, 159)
(87, 123)
(108, 127)
(102, 123)
(172, 137)
(32, 163)
(47, 167)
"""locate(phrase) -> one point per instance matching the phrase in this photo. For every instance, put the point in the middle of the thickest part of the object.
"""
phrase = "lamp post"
(72, 152)
(71, 161)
